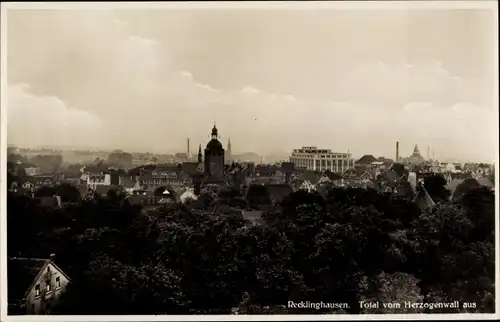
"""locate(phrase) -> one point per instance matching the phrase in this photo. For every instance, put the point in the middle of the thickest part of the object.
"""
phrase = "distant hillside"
(276, 157)
(247, 157)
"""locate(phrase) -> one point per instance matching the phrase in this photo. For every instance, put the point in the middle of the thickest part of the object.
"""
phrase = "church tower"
(214, 156)
(200, 157)
(228, 151)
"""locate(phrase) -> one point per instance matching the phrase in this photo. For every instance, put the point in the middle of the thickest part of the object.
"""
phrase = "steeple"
(215, 132)
(416, 151)
(200, 157)
(228, 151)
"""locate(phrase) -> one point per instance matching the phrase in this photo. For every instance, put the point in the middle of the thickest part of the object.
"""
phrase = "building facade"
(312, 158)
(35, 285)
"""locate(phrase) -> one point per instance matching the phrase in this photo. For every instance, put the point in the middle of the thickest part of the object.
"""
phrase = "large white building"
(312, 158)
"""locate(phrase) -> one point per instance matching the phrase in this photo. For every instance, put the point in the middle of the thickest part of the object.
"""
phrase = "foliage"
(436, 187)
(119, 158)
(48, 163)
(66, 191)
(344, 246)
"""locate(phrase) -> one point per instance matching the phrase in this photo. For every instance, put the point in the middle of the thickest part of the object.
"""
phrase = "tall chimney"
(397, 151)
(188, 153)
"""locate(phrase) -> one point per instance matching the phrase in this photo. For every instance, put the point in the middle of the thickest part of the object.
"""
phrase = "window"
(58, 282)
(48, 286)
(37, 290)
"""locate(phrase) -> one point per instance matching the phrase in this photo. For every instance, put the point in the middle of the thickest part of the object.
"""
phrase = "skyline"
(151, 79)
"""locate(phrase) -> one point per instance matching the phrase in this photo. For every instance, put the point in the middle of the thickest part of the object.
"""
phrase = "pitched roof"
(190, 167)
(311, 176)
(306, 185)
(212, 180)
(143, 200)
(391, 176)
(288, 166)
(422, 199)
(454, 184)
(188, 194)
(252, 215)
(371, 184)
(485, 182)
(258, 193)
(267, 170)
(102, 190)
(355, 173)
(366, 159)
(22, 273)
(277, 192)
(465, 186)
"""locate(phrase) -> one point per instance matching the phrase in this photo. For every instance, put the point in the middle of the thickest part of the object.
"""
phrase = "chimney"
(52, 257)
(188, 152)
(397, 151)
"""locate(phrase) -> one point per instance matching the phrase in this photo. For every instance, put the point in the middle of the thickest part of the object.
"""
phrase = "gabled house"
(252, 216)
(267, 174)
(356, 174)
(453, 184)
(261, 195)
(188, 194)
(34, 285)
(366, 160)
(423, 200)
(307, 186)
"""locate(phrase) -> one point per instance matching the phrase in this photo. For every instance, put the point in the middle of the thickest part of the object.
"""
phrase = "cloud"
(397, 84)
(186, 74)
(249, 90)
(116, 88)
(46, 120)
(144, 41)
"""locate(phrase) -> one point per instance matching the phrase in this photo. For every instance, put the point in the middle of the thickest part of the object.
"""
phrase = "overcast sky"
(356, 80)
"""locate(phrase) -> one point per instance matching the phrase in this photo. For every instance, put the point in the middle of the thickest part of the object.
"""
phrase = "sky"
(271, 80)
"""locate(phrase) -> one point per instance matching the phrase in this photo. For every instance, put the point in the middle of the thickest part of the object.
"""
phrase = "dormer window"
(37, 290)
(58, 282)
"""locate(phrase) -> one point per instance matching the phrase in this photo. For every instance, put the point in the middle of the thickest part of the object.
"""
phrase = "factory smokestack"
(188, 152)
(397, 151)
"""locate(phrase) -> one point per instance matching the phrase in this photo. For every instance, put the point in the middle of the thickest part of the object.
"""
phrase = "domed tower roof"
(214, 143)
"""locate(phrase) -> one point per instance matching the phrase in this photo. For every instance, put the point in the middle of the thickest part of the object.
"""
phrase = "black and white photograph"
(253, 160)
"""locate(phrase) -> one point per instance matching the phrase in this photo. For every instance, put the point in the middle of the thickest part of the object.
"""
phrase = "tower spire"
(215, 132)
(228, 152)
(200, 158)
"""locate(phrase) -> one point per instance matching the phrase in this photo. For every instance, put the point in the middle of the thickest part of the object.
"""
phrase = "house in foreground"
(34, 285)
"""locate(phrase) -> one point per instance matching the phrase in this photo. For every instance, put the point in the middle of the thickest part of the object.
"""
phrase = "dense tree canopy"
(436, 187)
(48, 163)
(119, 158)
(344, 246)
